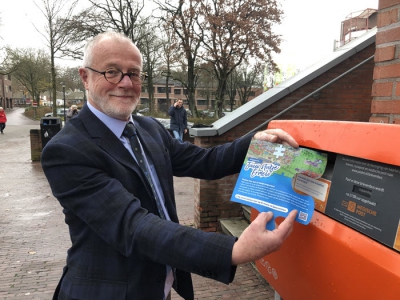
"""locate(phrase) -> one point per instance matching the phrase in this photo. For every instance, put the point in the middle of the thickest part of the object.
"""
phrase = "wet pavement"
(34, 238)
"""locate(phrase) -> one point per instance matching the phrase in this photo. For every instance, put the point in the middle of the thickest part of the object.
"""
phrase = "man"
(121, 247)
(72, 111)
(178, 122)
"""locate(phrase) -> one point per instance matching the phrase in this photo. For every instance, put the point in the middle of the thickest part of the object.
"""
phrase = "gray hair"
(112, 35)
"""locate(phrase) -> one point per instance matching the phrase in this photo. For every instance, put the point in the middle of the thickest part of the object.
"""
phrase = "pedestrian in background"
(73, 111)
(3, 119)
(178, 122)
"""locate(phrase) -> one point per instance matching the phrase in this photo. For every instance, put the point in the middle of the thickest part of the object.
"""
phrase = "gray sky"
(309, 27)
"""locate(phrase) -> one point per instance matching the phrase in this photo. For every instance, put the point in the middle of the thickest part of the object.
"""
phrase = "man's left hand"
(276, 136)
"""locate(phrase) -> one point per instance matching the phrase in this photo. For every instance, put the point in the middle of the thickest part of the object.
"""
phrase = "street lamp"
(63, 85)
(50, 88)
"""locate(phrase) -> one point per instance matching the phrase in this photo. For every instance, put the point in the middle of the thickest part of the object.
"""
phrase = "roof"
(286, 87)
(77, 95)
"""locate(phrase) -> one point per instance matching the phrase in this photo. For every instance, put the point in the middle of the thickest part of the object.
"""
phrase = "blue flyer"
(280, 178)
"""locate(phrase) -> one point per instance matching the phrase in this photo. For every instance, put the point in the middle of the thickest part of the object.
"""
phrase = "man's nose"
(126, 80)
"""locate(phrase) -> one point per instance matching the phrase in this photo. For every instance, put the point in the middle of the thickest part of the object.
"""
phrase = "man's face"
(115, 100)
(179, 103)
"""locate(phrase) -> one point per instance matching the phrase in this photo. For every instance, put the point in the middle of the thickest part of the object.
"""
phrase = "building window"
(252, 93)
(145, 89)
(185, 91)
(177, 91)
(144, 101)
(228, 102)
(201, 102)
(163, 89)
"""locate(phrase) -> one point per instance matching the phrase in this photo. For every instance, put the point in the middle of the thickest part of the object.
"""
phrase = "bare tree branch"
(234, 32)
(57, 42)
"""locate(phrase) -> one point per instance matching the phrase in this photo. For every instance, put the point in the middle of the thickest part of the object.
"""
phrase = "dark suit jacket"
(120, 246)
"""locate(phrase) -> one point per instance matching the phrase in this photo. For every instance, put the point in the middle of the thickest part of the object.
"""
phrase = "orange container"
(327, 259)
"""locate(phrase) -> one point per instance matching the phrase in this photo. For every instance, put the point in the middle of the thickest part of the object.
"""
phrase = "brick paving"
(248, 284)
(34, 238)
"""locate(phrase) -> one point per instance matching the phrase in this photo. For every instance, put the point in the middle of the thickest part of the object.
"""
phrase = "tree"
(31, 68)
(3, 57)
(124, 16)
(206, 84)
(235, 32)
(182, 19)
(170, 56)
(71, 78)
(247, 79)
(115, 15)
(5, 67)
(150, 46)
(58, 42)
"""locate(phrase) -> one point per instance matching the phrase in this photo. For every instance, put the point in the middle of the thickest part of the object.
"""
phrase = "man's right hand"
(256, 241)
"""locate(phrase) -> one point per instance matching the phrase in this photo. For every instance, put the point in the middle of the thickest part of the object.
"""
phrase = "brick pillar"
(385, 106)
(36, 144)
(212, 197)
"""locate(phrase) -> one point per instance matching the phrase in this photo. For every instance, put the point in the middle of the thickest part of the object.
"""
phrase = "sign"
(34, 104)
(365, 196)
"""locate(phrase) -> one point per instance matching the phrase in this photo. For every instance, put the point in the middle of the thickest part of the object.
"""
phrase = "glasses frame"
(142, 78)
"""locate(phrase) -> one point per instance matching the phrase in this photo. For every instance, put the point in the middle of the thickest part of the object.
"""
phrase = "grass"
(35, 113)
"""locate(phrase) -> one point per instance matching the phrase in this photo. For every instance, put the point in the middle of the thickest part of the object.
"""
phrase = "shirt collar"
(115, 125)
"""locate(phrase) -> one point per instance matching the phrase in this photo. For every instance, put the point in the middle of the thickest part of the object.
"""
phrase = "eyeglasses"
(115, 76)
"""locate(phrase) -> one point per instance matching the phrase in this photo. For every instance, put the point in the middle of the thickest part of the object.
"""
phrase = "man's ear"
(83, 73)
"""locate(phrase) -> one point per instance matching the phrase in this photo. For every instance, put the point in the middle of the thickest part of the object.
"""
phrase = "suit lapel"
(106, 140)
(155, 149)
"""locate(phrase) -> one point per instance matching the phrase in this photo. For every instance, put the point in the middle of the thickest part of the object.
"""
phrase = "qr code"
(303, 216)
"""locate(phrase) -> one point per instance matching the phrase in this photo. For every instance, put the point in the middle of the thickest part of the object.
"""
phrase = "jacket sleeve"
(171, 110)
(185, 118)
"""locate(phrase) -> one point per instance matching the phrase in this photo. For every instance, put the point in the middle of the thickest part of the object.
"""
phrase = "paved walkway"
(34, 238)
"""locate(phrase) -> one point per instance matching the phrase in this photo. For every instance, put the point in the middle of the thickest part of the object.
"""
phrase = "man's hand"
(256, 241)
(276, 136)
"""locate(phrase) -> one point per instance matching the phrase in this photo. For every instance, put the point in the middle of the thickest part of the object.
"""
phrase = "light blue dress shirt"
(117, 127)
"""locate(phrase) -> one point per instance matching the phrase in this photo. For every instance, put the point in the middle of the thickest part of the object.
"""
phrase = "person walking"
(3, 120)
(178, 122)
(112, 173)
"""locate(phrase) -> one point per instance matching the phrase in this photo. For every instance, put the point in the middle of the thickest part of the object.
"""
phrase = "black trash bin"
(49, 127)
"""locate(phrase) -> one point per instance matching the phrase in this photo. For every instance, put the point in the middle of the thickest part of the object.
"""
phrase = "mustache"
(123, 94)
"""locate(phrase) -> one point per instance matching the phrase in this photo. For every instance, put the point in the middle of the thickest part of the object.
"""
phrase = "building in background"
(204, 96)
(5, 92)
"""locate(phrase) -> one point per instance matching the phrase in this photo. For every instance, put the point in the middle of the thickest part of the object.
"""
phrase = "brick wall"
(348, 99)
(385, 106)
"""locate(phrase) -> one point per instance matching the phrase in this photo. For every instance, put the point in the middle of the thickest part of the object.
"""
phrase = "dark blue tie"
(131, 133)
